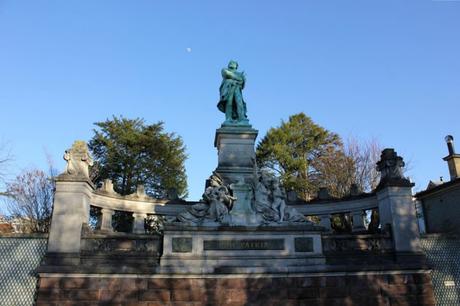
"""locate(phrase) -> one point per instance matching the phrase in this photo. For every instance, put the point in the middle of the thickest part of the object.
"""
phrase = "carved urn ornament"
(78, 161)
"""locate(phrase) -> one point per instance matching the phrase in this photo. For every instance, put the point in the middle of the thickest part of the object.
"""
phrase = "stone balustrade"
(355, 208)
(75, 193)
(141, 207)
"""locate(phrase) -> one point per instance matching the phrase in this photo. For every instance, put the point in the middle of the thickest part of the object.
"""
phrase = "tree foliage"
(302, 153)
(334, 171)
(131, 152)
(307, 157)
(30, 200)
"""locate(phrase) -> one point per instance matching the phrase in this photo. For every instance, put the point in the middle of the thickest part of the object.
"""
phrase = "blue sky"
(384, 69)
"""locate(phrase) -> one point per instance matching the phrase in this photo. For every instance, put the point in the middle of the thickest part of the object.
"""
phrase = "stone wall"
(331, 289)
(442, 211)
(361, 249)
(20, 256)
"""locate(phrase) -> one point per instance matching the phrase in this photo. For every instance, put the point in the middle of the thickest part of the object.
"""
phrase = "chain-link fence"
(19, 258)
(443, 255)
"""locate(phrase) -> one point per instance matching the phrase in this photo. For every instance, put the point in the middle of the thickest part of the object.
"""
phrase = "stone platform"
(337, 282)
(237, 248)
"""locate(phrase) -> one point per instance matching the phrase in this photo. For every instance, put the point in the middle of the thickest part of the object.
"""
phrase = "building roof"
(435, 187)
(433, 184)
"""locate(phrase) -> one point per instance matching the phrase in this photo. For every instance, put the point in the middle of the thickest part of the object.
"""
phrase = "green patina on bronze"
(248, 244)
(231, 101)
(182, 245)
(303, 244)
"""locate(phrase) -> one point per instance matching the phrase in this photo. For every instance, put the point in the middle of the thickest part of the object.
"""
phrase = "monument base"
(236, 157)
(240, 249)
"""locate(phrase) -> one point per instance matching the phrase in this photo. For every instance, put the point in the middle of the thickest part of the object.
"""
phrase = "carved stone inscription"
(252, 244)
(119, 245)
(182, 245)
(303, 244)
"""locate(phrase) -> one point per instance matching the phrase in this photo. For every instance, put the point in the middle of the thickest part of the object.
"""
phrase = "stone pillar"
(71, 201)
(236, 155)
(397, 210)
(396, 207)
(139, 223)
(325, 221)
(358, 221)
(106, 220)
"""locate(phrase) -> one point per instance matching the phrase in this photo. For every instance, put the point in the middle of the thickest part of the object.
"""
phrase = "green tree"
(306, 156)
(131, 152)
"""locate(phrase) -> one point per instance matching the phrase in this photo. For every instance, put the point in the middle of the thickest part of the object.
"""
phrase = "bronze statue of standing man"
(231, 96)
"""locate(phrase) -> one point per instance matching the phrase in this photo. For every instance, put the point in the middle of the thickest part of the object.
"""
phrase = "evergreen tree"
(306, 157)
(131, 152)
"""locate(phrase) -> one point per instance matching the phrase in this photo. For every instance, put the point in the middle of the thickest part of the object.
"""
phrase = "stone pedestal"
(397, 210)
(242, 212)
(240, 249)
(236, 156)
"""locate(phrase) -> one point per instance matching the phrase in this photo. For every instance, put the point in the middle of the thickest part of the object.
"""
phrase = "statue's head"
(233, 65)
(265, 177)
(275, 182)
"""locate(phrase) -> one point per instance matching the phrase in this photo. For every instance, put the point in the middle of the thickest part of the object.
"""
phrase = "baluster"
(358, 221)
(326, 222)
(106, 219)
(139, 222)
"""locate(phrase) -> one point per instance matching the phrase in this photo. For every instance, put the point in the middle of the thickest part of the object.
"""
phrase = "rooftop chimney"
(450, 144)
(453, 159)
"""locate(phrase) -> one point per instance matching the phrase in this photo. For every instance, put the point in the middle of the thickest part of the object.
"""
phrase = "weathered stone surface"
(236, 155)
(182, 244)
(259, 244)
(303, 244)
(155, 295)
(247, 247)
(355, 290)
(390, 167)
(78, 162)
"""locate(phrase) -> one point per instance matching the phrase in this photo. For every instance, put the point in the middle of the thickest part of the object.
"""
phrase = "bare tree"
(355, 163)
(30, 199)
(365, 155)
(335, 171)
(5, 159)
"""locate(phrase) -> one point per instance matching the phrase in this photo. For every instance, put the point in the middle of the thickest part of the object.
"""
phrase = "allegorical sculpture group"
(267, 196)
(268, 200)
(216, 205)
